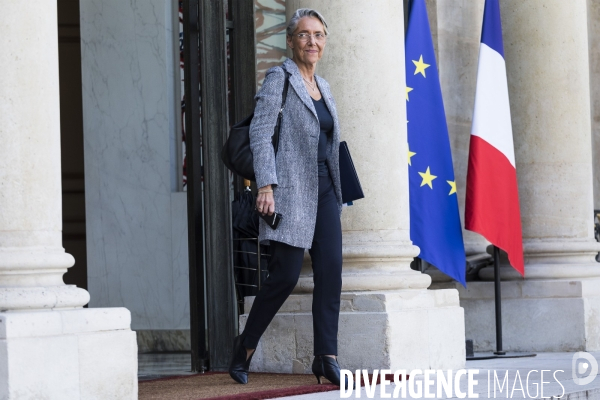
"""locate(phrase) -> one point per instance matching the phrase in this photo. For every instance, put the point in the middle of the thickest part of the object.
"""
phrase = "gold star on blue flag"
(434, 218)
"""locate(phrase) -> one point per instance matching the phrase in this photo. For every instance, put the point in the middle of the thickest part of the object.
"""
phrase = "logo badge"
(584, 368)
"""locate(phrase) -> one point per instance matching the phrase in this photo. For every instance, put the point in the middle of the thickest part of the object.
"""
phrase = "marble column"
(377, 246)
(456, 30)
(594, 48)
(50, 347)
(549, 90)
(388, 317)
(458, 37)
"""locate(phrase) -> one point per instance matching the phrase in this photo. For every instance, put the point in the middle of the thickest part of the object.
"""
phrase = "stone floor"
(152, 366)
(552, 362)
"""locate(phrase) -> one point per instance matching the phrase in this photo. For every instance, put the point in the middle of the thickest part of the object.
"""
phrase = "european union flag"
(434, 218)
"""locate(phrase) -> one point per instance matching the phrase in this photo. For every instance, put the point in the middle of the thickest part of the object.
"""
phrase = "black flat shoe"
(324, 366)
(239, 366)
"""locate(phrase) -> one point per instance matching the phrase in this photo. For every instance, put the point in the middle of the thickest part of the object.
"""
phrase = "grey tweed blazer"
(293, 173)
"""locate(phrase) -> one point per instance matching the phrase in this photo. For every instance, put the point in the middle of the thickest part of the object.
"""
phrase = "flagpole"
(499, 353)
(491, 150)
(498, 301)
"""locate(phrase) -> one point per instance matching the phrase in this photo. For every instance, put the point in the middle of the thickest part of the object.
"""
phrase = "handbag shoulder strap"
(286, 84)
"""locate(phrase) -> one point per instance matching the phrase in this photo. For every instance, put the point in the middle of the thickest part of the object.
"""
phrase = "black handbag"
(236, 153)
(351, 188)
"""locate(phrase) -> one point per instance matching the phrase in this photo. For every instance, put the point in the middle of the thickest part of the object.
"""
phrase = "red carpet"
(220, 386)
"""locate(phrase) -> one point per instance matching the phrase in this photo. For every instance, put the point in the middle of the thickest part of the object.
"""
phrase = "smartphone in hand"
(272, 220)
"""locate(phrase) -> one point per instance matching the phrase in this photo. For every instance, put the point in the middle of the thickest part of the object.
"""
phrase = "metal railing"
(257, 277)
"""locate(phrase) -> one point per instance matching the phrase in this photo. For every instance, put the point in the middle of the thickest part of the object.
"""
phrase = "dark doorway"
(71, 122)
(220, 80)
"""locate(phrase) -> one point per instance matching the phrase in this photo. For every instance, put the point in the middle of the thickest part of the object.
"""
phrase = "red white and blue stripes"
(492, 202)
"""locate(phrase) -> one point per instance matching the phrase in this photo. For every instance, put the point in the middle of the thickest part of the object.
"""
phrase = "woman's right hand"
(265, 203)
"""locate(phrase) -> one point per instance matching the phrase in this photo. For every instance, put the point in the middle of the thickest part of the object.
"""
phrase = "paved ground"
(553, 364)
(557, 365)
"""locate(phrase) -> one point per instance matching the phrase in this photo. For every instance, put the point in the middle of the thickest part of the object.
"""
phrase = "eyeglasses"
(318, 37)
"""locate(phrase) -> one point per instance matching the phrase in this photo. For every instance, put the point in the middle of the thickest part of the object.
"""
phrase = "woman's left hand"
(265, 203)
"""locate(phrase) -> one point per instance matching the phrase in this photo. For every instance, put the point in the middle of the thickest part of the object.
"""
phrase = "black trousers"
(284, 270)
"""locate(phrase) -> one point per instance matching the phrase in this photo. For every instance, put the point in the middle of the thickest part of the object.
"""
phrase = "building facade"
(94, 88)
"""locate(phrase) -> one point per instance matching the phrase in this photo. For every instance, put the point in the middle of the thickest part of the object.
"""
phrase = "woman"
(303, 184)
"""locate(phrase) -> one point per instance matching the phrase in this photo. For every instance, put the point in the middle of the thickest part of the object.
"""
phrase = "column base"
(373, 261)
(403, 329)
(550, 259)
(556, 315)
(72, 354)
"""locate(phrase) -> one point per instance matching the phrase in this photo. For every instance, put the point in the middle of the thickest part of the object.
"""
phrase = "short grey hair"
(301, 13)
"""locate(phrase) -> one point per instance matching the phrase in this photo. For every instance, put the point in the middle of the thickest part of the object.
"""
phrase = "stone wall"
(136, 218)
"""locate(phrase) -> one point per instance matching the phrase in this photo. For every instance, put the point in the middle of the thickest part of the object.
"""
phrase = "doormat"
(220, 386)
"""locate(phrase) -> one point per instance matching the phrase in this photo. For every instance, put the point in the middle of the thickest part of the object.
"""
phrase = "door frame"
(214, 91)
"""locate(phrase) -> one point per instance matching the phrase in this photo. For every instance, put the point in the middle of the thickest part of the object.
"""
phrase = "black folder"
(351, 189)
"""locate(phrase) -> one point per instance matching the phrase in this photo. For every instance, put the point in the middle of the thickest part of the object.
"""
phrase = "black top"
(326, 123)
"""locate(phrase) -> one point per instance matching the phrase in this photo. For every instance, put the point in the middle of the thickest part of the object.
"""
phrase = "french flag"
(492, 203)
